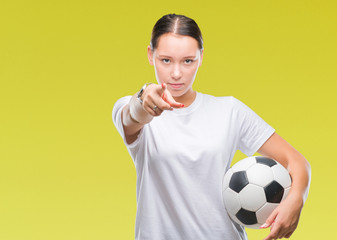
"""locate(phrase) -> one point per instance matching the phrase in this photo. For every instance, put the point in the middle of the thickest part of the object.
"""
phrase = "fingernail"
(182, 105)
(264, 225)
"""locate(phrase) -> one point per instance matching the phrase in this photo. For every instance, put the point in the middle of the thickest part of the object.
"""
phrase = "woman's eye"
(188, 61)
(166, 60)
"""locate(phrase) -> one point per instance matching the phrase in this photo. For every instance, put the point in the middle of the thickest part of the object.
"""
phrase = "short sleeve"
(252, 129)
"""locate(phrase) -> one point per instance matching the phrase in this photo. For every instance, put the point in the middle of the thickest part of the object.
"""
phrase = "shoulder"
(226, 104)
(222, 100)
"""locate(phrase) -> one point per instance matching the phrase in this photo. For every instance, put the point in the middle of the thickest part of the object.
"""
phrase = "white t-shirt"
(181, 158)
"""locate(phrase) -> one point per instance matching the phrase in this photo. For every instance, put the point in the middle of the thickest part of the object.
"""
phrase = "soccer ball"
(253, 188)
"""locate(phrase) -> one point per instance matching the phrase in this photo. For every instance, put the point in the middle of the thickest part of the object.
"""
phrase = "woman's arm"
(285, 217)
(131, 126)
(137, 112)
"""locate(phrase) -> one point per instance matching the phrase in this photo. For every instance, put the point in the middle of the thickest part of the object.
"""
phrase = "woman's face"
(176, 61)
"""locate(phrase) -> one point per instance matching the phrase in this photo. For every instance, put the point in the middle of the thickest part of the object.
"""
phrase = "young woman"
(182, 142)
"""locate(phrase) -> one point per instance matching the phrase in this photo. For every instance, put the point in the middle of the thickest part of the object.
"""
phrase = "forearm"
(134, 117)
(300, 172)
(130, 125)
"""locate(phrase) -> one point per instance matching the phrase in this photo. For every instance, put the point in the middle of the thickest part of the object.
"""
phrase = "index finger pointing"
(167, 97)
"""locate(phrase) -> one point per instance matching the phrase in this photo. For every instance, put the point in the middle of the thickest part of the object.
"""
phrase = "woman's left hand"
(284, 219)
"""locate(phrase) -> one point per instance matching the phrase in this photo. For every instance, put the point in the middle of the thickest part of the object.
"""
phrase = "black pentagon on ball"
(274, 192)
(238, 181)
(246, 217)
(266, 161)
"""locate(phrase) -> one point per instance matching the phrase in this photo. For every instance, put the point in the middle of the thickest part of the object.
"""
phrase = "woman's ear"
(201, 56)
(150, 55)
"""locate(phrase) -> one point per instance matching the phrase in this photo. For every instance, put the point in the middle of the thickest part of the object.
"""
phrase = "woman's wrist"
(137, 112)
(296, 197)
(141, 91)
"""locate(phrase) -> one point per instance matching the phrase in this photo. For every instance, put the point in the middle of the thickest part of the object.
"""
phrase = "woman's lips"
(175, 85)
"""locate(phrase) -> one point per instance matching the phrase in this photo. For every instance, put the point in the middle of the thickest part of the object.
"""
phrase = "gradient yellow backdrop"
(64, 170)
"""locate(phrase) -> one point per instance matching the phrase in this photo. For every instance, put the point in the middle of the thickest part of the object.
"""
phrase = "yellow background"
(64, 170)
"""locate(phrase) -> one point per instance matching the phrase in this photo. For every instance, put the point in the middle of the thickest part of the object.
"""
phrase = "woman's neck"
(187, 99)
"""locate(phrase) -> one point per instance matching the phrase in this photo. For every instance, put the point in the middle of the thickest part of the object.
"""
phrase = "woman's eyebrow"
(163, 56)
(193, 56)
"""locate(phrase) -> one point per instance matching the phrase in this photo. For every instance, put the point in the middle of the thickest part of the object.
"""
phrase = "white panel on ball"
(244, 164)
(252, 197)
(231, 201)
(263, 213)
(260, 174)
(281, 175)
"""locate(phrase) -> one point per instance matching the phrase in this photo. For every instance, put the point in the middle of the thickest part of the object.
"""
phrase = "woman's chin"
(182, 94)
(177, 94)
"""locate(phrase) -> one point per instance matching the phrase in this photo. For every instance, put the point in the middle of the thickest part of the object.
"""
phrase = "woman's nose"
(176, 72)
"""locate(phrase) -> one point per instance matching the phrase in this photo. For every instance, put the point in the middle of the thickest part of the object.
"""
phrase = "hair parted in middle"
(178, 24)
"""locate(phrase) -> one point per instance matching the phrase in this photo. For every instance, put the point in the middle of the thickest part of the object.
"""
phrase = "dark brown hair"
(178, 24)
